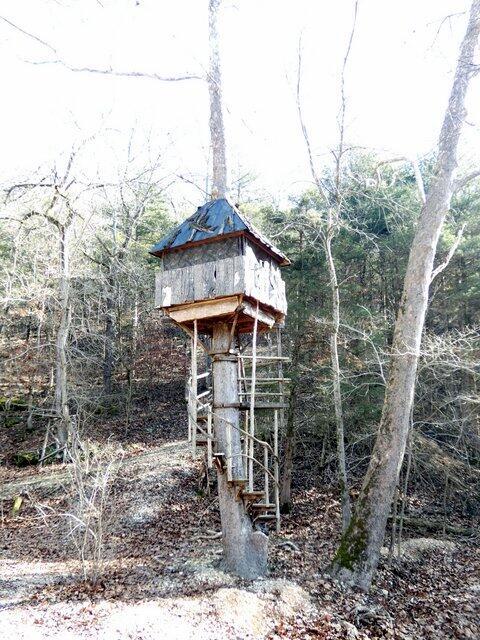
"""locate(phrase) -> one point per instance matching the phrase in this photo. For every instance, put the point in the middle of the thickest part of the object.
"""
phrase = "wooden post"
(281, 387)
(252, 402)
(189, 396)
(209, 439)
(246, 444)
(245, 550)
(265, 464)
(276, 470)
(194, 388)
(242, 389)
(228, 428)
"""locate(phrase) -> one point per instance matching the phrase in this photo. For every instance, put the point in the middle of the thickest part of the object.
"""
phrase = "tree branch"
(107, 71)
(29, 35)
(306, 137)
(416, 171)
(453, 248)
(125, 74)
(419, 180)
(460, 183)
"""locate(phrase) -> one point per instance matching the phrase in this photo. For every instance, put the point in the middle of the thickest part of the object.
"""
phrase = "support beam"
(252, 403)
(209, 439)
(193, 390)
(204, 309)
(276, 470)
(258, 314)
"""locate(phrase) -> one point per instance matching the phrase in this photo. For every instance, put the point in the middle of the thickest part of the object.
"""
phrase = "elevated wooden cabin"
(217, 266)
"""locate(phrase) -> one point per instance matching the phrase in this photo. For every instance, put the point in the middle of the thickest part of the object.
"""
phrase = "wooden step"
(202, 434)
(265, 517)
(261, 506)
(238, 482)
(245, 406)
(253, 496)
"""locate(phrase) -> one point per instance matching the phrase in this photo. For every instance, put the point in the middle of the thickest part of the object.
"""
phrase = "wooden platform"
(235, 310)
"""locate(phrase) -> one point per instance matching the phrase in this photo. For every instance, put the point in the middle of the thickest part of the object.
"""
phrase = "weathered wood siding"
(203, 254)
(263, 279)
(233, 266)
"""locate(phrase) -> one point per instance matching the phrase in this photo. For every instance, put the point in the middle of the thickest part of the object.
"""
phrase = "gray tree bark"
(357, 557)
(337, 392)
(286, 482)
(60, 202)
(244, 550)
(217, 129)
(109, 349)
(61, 392)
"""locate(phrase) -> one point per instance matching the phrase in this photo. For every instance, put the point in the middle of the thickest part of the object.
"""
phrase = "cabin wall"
(203, 254)
(263, 278)
(232, 266)
(201, 273)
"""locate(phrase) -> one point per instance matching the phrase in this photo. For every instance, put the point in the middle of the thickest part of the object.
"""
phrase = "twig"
(441, 267)
(107, 71)
(289, 545)
(210, 535)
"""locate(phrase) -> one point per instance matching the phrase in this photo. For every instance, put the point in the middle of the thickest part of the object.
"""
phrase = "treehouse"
(217, 267)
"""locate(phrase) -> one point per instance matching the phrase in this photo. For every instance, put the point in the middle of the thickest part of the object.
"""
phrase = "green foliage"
(112, 283)
(25, 458)
(12, 404)
(352, 545)
(107, 408)
(379, 208)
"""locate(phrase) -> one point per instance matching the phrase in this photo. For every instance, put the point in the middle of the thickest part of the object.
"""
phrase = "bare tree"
(357, 557)
(217, 129)
(329, 230)
(60, 213)
(127, 204)
(245, 550)
(212, 78)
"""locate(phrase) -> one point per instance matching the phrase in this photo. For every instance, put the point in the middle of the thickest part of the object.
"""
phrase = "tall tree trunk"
(333, 219)
(61, 391)
(289, 441)
(217, 129)
(357, 557)
(108, 358)
(337, 393)
(244, 550)
(286, 481)
(131, 365)
(9, 285)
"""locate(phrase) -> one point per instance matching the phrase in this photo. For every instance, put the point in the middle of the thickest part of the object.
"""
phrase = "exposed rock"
(416, 548)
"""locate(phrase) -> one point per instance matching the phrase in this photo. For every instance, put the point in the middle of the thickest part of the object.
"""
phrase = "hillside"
(162, 577)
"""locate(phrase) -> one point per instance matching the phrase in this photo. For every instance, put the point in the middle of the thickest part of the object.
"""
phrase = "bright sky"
(397, 83)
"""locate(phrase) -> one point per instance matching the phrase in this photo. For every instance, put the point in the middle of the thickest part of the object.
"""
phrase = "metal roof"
(213, 219)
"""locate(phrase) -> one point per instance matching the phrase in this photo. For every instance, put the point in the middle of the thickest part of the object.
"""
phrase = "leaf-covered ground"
(162, 576)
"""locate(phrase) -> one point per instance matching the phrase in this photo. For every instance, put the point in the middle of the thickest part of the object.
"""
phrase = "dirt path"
(172, 453)
(162, 579)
